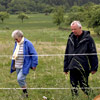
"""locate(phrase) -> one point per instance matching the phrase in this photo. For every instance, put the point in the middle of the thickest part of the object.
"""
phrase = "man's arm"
(93, 72)
(93, 59)
(66, 59)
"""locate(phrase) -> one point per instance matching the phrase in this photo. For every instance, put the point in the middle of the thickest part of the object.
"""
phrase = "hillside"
(14, 6)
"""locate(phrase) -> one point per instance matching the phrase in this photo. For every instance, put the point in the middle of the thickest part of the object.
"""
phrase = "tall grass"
(47, 39)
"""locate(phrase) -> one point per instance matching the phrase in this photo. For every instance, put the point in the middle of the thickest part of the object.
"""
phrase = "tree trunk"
(22, 20)
(98, 34)
(2, 20)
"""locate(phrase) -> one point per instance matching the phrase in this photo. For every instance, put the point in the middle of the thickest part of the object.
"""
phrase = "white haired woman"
(24, 57)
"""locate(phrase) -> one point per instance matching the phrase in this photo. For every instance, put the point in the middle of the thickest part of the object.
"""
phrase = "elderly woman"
(24, 57)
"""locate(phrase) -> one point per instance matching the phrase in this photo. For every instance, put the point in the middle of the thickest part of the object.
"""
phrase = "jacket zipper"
(81, 41)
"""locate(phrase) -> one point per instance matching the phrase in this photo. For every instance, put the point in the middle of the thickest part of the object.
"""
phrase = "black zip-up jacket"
(85, 50)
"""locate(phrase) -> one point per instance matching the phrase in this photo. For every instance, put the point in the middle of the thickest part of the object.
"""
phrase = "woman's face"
(18, 39)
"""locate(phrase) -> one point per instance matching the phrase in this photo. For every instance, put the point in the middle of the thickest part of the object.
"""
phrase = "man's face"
(75, 29)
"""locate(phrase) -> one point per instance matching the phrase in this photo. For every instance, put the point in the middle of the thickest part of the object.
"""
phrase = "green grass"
(47, 39)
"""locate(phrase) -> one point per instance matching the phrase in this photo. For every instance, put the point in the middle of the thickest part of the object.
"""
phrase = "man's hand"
(34, 68)
(66, 73)
(93, 72)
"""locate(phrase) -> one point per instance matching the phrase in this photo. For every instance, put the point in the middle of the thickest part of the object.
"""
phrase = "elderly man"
(24, 57)
(84, 61)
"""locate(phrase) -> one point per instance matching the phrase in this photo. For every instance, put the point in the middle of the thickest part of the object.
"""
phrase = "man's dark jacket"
(86, 54)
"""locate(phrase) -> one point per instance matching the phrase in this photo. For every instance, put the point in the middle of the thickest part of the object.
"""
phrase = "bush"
(97, 30)
(74, 16)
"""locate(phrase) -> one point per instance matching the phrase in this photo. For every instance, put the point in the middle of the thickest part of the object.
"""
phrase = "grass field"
(47, 39)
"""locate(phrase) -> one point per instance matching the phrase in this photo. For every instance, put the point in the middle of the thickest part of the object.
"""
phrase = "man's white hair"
(17, 33)
(76, 22)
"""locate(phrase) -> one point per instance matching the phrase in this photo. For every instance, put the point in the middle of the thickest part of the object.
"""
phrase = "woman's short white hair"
(17, 33)
(76, 22)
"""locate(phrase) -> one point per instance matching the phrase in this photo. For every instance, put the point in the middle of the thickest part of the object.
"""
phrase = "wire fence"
(55, 54)
(51, 55)
(49, 88)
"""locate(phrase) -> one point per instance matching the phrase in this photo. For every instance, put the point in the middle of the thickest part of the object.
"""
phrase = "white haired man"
(24, 57)
(80, 65)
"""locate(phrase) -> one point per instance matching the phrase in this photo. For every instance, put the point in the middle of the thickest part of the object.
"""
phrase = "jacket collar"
(84, 37)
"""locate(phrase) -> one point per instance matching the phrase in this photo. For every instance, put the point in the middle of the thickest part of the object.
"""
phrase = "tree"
(92, 18)
(3, 16)
(74, 16)
(95, 21)
(58, 16)
(22, 16)
(97, 30)
(5, 3)
(2, 8)
(76, 9)
(48, 10)
(16, 6)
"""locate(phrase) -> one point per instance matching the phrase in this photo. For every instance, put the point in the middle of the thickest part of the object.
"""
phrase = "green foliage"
(28, 6)
(89, 14)
(3, 16)
(74, 16)
(97, 30)
(48, 10)
(58, 16)
(2, 8)
(5, 3)
(76, 9)
(95, 20)
(23, 16)
(16, 6)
